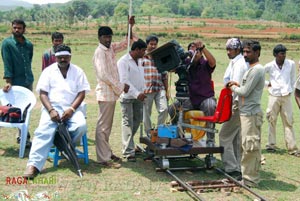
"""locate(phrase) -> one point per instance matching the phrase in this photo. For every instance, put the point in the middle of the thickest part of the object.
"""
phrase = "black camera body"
(172, 57)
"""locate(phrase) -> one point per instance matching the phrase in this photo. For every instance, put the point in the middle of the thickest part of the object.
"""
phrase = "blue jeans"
(132, 116)
(44, 135)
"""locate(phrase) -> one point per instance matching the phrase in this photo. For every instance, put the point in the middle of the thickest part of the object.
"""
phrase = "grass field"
(139, 181)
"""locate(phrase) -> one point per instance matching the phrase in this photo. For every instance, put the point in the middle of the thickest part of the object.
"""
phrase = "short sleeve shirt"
(62, 91)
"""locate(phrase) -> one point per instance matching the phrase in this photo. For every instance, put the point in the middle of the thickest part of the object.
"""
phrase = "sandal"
(296, 154)
(115, 158)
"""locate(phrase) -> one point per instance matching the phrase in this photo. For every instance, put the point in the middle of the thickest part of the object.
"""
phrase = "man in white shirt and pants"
(282, 74)
(131, 72)
(230, 133)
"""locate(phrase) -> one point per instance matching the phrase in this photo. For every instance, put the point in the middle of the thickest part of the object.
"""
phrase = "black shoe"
(131, 159)
(271, 150)
(236, 175)
(116, 158)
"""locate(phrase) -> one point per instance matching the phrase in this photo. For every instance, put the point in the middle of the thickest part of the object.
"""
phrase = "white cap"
(62, 53)
(233, 43)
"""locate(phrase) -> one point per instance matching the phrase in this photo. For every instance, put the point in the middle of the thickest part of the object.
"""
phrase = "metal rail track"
(193, 190)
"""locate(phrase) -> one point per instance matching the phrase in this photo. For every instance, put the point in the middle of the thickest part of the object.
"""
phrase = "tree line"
(82, 10)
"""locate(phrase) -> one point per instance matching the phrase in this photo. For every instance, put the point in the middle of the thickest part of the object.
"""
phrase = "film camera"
(172, 57)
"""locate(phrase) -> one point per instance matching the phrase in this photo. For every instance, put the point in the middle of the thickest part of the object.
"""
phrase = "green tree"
(103, 8)
(80, 9)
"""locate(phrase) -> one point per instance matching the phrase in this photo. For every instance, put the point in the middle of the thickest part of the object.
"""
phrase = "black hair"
(139, 44)
(104, 30)
(19, 21)
(150, 38)
(57, 35)
(279, 48)
(62, 47)
(192, 43)
(255, 45)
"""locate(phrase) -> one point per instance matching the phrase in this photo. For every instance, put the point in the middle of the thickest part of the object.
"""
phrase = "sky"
(45, 1)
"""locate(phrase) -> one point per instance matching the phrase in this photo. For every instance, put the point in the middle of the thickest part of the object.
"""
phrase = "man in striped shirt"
(156, 87)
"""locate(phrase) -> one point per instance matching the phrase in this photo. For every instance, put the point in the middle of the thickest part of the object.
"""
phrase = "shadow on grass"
(269, 181)
(91, 168)
(13, 152)
(278, 151)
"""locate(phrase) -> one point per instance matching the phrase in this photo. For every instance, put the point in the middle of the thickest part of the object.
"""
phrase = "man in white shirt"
(230, 136)
(282, 74)
(297, 87)
(131, 72)
(62, 87)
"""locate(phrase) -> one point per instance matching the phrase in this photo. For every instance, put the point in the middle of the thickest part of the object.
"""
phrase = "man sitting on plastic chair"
(62, 88)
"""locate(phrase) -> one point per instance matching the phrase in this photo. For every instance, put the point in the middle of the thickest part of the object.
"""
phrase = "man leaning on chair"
(17, 53)
(62, 87)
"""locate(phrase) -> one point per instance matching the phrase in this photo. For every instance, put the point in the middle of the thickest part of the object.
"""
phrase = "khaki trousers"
(230, 139)
(284, 106)
(251, 147)
(103, 130)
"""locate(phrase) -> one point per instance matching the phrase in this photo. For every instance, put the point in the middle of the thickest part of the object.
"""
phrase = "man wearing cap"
(282, 77)
(62, 87)
(230, 136)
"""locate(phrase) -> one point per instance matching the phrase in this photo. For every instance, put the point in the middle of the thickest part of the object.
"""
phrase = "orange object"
(188, 118)
(153, 133)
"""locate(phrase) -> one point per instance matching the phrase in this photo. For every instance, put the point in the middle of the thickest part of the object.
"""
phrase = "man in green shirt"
(17, 54)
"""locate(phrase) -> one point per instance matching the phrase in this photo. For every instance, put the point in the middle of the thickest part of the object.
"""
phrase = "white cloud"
(45, 1)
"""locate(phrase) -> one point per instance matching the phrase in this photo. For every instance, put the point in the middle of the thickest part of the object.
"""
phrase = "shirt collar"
(235, 59)
(17, 42)
(103, 47)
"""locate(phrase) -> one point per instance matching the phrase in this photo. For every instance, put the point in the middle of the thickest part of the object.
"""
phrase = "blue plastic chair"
(19, 97)
(55, 154)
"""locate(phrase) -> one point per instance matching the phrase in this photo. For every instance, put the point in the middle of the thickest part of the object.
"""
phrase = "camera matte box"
(168, 131)
(165, 57)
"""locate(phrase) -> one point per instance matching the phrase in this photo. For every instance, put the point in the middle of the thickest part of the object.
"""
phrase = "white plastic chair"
(19, 97)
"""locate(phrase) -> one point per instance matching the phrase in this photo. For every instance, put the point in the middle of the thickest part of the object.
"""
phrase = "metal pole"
(129, 25)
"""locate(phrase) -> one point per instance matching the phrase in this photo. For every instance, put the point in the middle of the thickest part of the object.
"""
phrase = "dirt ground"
(220, 28)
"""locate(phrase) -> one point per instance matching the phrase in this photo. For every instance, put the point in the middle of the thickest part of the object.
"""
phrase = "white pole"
(129, 25)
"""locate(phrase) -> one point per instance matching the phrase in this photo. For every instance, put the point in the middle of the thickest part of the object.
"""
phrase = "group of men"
(245, 76)
(61, 87)
(135, 80)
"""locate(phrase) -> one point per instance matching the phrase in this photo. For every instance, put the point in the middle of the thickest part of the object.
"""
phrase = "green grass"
(139, 181)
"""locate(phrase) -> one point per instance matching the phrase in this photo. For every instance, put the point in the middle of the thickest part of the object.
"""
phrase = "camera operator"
(201, 90)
